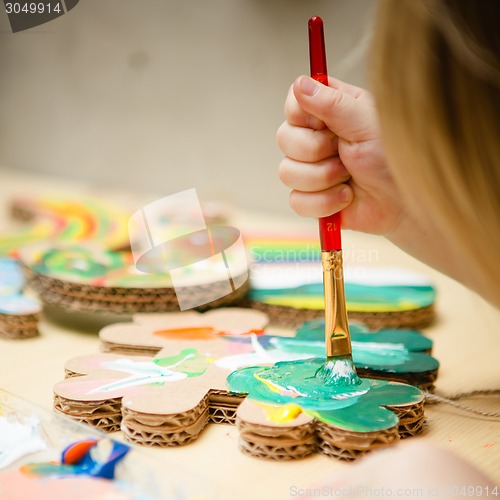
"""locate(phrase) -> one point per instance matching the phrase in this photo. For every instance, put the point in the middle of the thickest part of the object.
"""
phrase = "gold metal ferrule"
(337, 335)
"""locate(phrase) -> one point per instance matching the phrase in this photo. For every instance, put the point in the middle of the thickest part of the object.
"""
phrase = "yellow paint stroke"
(317, 303)
(273, 387)
(281, 414)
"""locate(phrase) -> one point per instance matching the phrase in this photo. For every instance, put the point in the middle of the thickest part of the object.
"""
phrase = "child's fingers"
(344, 114)
(311, 177)
(357, 92)
(296, 116)
(323, 203)
(304, 144)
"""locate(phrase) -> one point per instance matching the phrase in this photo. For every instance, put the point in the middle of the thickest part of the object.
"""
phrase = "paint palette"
(222, 367)
(37, 445)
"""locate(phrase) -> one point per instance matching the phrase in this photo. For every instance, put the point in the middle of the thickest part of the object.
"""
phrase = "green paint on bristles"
(338, 370)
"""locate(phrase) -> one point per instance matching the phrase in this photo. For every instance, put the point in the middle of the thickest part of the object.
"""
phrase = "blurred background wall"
(164, 95)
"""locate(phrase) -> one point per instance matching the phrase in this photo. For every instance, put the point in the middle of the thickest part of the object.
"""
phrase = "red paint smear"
(75, 452)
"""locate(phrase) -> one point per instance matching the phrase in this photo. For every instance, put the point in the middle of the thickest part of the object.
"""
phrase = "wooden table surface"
(466, 338)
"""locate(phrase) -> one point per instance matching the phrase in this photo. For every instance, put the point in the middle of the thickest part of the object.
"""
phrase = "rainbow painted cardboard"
(92, 279)
(53, 218)
(286, 283)
(221, 367)
(66, 219)
(74, 253)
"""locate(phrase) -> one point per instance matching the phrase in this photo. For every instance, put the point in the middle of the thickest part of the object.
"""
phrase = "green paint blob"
(412, 340)
(188, 361)
(390, 351)
(102, 268)
(77, 262)
(357, 407)
(301, 382)
(47, 469)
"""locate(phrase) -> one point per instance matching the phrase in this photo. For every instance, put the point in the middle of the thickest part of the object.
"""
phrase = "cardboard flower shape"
(167, 397)
(398, 355)
(166, 400)
(292, 409)
(149, 333)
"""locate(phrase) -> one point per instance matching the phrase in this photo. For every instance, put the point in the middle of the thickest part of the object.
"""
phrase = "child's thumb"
(342, 113)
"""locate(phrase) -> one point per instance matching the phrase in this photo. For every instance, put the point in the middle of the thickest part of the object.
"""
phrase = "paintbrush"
(339, 368)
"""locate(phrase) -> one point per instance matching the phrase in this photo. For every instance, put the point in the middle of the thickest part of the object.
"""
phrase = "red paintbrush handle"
(329, 227)
(317, 52)
(329, 233)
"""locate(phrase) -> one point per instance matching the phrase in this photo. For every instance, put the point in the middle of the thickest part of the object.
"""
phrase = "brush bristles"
(338, 371)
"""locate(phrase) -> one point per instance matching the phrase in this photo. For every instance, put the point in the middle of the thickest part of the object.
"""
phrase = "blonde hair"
(436, 81)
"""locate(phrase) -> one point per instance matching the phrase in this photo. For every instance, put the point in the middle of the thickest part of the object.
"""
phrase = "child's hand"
(334, 160)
